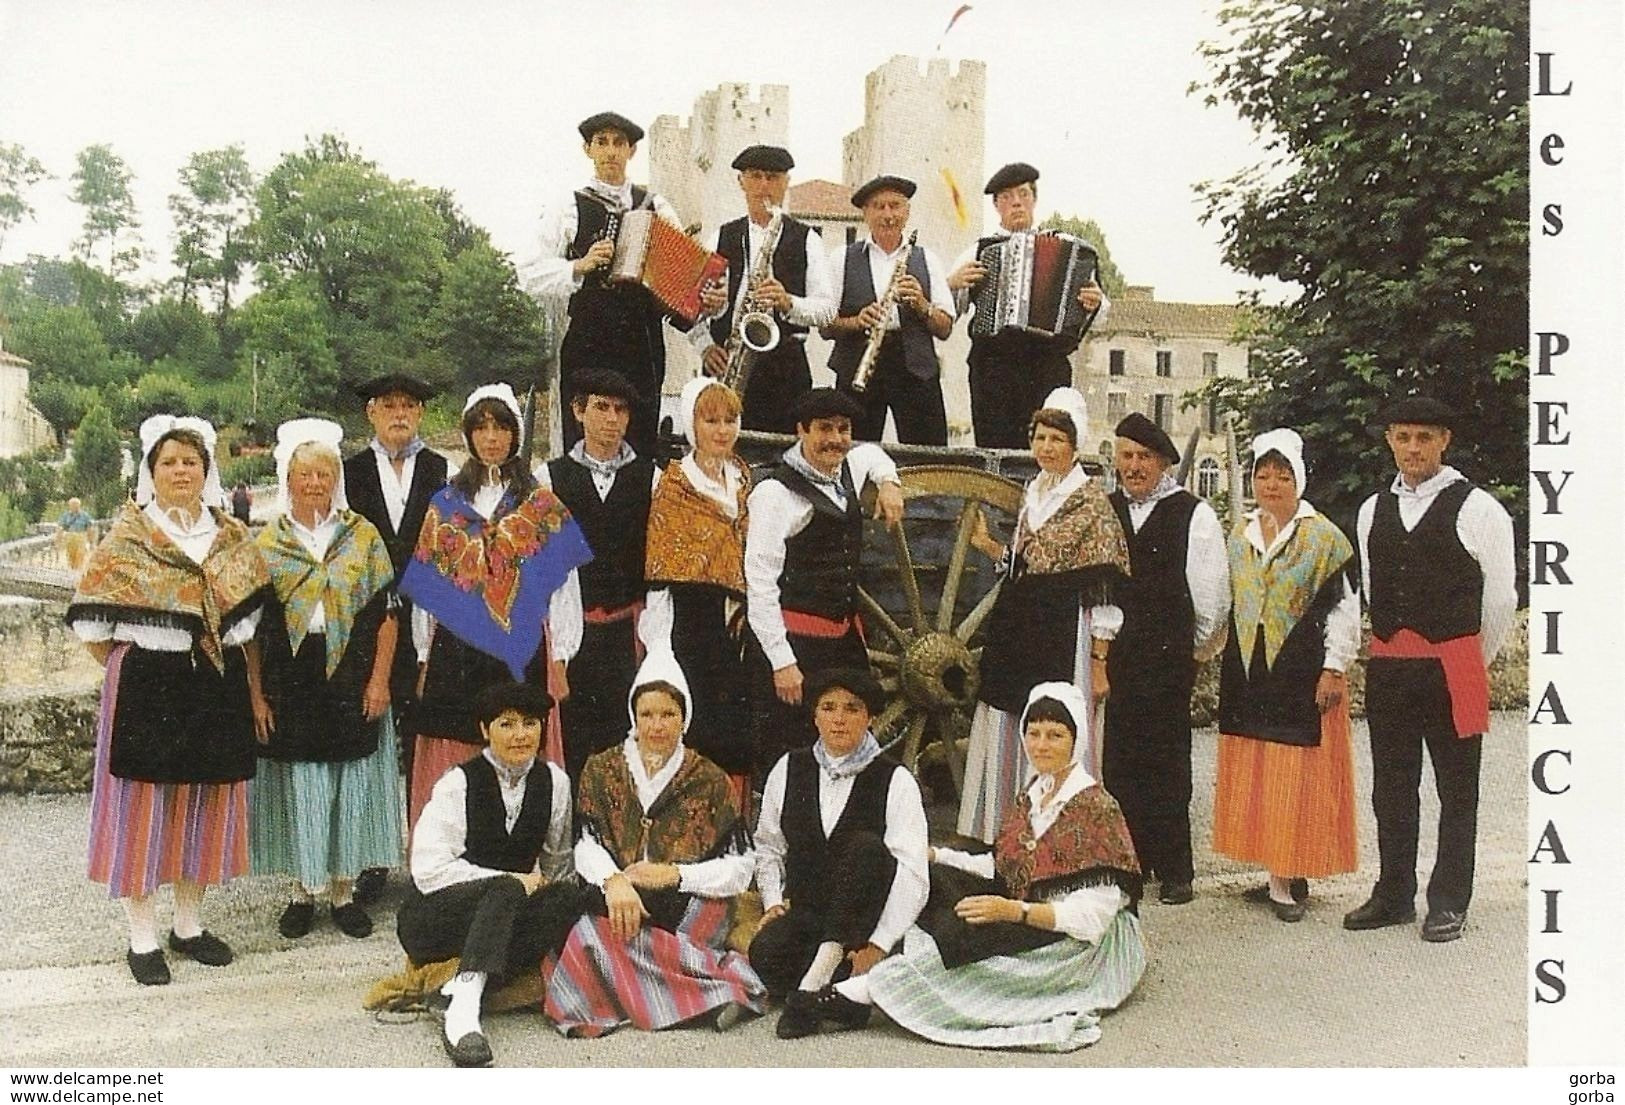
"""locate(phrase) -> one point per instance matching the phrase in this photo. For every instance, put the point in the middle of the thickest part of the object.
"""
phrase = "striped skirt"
(317, 821)
(1047, 999)
(655, 980)
(1287, 808)
(144, 835)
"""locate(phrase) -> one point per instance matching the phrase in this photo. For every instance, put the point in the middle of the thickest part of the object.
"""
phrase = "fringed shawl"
(489, 582)
(1089, 845)
(355, 567)
(1301, 582)
(1083, 535)
(694, 818)
(691, 538)
(138, 575)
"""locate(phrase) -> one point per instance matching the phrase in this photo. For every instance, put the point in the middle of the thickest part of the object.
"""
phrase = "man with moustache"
(801, 564)
(797, 290)
(1012, 371)
(1436, 565)
(1176, 606)
(390, 483)
(906, 376)
(615, 325)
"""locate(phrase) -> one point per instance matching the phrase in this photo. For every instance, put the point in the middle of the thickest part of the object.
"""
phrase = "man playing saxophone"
(920, 312)
(796, 289)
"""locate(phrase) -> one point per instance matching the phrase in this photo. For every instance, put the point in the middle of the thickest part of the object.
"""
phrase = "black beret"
(1418, 410)
(1012, 175)
(858, 681)
(825, 403)
(527, 699)
(771, 159)
(602, 381)
(609, 120)
(884, 183)
(1138, 428)
(393, 382)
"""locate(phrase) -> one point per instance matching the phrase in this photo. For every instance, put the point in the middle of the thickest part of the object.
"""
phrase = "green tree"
(1395, 200)
(1109, 277)
(483, 323)
(63, 343)
(101, 185)
(61, 403)
(175, 329)
(162, 391)
(95, 474)
(18, 173)
(29, 482)
(286, 352)
(212, 211)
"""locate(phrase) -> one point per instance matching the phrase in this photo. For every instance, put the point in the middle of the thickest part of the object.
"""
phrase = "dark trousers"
(861, 871)
(492, 924)
(779, 727)
(1147, 767)
(1407, 707)
(1010, 377)
(777, 382)
(915, 404)
(594, 717)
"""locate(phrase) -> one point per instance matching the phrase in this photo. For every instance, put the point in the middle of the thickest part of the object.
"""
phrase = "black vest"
(1154, 648)
(488, 843)
(591, 219)
(806, 878)
(1424, 579)
(857, 292)
(366, 495)
(821, 562)
(789, 268)
(616, 528)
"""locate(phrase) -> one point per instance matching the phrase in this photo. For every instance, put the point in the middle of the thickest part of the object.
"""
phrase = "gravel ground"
(1226, 983)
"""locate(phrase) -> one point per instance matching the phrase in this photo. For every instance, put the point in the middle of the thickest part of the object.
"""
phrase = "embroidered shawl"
(1089, 845)
(694, 818)
(489, 582)
(1290, 586)
(355, 567)
(1084, 534)
(691, 538)
(139, 575)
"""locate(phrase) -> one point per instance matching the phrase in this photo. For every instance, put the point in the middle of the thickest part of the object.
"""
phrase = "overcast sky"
(483, 98)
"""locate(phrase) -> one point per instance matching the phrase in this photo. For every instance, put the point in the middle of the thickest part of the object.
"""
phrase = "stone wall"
(47, 739)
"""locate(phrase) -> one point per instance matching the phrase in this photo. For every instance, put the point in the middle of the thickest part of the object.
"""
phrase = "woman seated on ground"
(663, 842)
(491, 865)
(1026, 946)
(840, 860)
(324, 806)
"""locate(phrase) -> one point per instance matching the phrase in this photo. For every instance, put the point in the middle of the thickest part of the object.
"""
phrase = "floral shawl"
(489, 582)
(1089, 845)
(1084, 534)
(1301, 581)
(354, 569)
(138, 575)
(695, 817)
(691, 538)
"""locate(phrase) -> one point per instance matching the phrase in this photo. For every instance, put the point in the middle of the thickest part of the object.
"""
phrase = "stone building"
(22, 428)
(1147, 357)
(689, 163)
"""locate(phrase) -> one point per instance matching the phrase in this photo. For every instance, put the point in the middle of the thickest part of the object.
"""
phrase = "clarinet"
(877, 332)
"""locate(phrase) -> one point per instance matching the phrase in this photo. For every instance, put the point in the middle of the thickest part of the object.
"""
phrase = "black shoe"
(296, 920)
(1376, 914)
(1176, 893)
(352, 920)
(1443, 925)
(1290, 912)
(207, 948)
(800, 1016)
(841, 1011)
(471, 1051)
(369, 885)
(149, 968)
(1260, 895)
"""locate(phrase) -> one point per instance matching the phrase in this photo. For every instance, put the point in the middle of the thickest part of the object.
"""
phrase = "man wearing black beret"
(797, 291)
(612, 325)
(906, 377)
(1176, 608)
(1436, 560)
(1012, 371)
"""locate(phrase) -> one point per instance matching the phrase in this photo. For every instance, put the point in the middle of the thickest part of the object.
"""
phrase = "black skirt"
(179, 720)
(961, 942)
(457, 672)
(319, 719)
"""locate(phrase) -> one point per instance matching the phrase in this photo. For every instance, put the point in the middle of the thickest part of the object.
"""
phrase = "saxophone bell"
(759, 331)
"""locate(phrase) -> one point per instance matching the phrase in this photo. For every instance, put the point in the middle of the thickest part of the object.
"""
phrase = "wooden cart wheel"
(925, 651)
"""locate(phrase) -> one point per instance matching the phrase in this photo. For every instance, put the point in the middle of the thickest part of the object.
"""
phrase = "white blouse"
(441, 834)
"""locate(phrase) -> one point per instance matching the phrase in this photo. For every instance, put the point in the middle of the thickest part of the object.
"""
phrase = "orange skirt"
(1286, 808)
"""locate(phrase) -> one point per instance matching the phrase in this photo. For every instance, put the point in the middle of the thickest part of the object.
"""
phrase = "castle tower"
(689, 164)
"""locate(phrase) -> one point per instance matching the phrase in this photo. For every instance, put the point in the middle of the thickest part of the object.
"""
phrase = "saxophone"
(754, 330)
(877, 333)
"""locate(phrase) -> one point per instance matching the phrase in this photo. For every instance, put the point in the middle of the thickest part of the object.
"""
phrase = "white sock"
(341, 892)
(304, 894)
(143, 917)
(188, 910)
(823, 966)
(855, 989)
(464, 1015)
(1281, 889)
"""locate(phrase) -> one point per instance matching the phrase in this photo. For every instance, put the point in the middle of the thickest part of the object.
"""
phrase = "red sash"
(1465, 677)
(813, 625)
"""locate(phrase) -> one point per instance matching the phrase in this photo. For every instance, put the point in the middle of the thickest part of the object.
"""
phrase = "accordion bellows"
(1032, 284)
(652, 252)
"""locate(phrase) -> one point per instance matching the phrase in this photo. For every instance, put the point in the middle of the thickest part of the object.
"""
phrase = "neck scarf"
(797, 460)
(410, 449)
(607, 468)
(1165, 487)
(354, 569)
(509, 777)
(847, 765)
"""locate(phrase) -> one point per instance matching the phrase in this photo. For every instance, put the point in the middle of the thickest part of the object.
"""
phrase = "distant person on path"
(242, 503)
(75, 534)
(1436, 564)
(169, 603)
